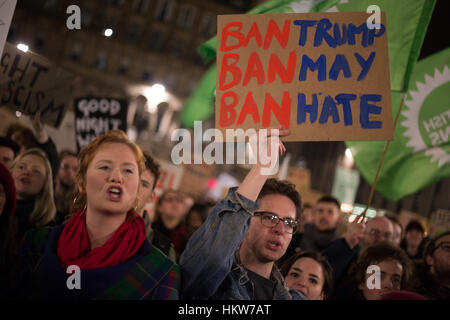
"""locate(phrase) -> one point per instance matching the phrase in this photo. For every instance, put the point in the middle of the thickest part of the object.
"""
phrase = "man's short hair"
(330, 199)
(153, 166)
(431, 245)
(7, 142)
(395, 220)
(65, 153)
(283, 187)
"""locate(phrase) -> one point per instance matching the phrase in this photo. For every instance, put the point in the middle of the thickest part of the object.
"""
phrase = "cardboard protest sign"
(6, 13)
(29, 82)
(325, 76)
(95, 116)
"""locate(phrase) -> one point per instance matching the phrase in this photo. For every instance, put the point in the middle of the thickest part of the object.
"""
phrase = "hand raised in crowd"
(39, 128)
(355, 231)
(262, 146)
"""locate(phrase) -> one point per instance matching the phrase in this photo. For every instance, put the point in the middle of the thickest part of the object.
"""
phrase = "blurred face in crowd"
(112, 179)
(6, 156)
(172, 205)
(326, 216)
(195, 220)
(439, 261)
(397, 236)
(307, 215)
(29, 176)
(68, 170)
(268, 244)
(306, 276)
(2, 198)
(414, 237)
(390, 280)
(378, 229)
(146, 193)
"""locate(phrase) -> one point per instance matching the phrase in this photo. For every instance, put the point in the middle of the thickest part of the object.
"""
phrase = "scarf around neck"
(74, 247)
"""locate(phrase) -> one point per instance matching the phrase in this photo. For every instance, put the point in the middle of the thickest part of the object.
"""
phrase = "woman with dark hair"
(195, 217)
(8, 226)
(309, 273)
(414, 241)
(105, 239)
(170, 218)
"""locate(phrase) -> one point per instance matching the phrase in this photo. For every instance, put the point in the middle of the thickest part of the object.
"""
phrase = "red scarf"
(74, 246)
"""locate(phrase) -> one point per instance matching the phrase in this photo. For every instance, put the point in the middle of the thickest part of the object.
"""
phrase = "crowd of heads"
(117, 167)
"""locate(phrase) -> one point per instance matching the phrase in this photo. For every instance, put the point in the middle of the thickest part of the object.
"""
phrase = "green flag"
(406, 20)
(419, 155)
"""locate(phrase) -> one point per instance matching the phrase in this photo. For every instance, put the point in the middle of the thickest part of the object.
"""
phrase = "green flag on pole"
(407, 22)
(419, 155)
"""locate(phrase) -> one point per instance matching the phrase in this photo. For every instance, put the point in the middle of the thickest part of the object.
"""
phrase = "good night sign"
(325, 76)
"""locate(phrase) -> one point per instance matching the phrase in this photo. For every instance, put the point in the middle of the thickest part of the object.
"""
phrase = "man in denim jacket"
(232, 255)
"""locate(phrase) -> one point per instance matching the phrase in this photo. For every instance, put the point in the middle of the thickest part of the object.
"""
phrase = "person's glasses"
(378, 234)
(444, 245)
(270, 220)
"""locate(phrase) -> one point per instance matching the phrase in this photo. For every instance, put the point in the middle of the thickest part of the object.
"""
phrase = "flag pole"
(386, 146)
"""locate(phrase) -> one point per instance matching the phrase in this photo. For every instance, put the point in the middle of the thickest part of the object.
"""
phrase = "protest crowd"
(92, 224)
(253, 244)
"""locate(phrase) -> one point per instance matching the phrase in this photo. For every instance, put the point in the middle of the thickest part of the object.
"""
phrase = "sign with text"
(29, 82)
(95, 116)
(325, 76)
(6, 13)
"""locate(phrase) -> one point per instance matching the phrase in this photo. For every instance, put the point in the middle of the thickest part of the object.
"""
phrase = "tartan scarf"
(74, 246)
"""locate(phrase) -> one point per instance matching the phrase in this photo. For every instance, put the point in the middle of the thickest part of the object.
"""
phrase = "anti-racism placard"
(6, 13)
(325, 76)
(29, 82)
(95, 116)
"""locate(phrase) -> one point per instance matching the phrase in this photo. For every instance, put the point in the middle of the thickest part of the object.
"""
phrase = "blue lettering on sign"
(320, 65)
(303, 108)
(366, 109)
(340, 63)
(329, 109)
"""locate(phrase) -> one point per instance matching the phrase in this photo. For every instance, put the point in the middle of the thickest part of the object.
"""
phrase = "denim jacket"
(210, 264)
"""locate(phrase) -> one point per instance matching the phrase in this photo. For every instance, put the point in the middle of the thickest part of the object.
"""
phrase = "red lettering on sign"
(254, 69)
(276, 67)
(282, 113)
(249, 107)
(227, 113)
(230, 33)
(229, 66)
(273, 30)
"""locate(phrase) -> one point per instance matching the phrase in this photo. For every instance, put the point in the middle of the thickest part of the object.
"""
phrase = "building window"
(133, 33)
(186, 16)
(208, 24)
(178, 47)
(147, 75)
(75, 52)
(124, 66)
(141, 6)
(164, 10)
(156, 40)
(117, 3)
(100, 60)
(86, 17)
(39, 42)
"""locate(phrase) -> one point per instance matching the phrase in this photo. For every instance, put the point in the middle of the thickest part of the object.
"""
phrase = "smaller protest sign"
(29, 82)
(95, 116)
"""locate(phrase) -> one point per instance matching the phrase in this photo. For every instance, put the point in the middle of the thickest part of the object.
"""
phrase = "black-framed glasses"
(270, 220)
